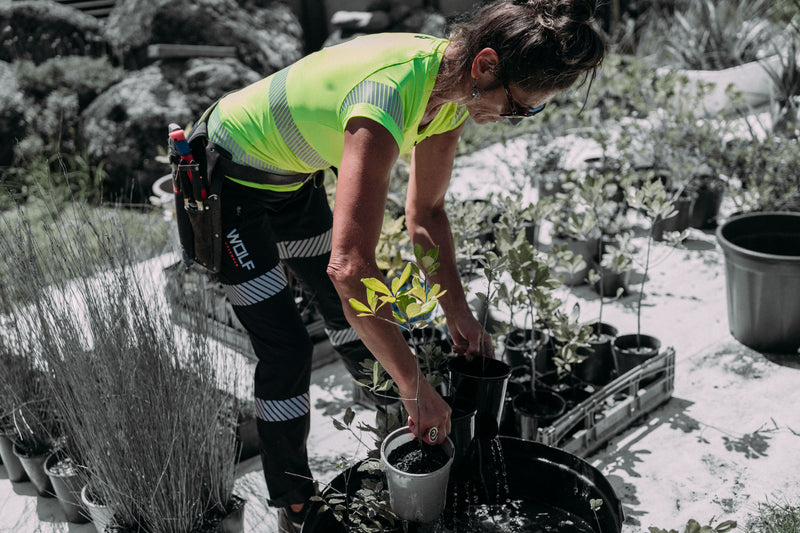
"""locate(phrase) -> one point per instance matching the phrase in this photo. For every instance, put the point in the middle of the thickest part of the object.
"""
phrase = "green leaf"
(418, 251)
(349, 415)
(404, 276)
(413, 310)
(434, 291)
(418, 293)
(372, 300)
(376, 285)
(396, 285)
(427, 307)
(576, 312)
(358, 306)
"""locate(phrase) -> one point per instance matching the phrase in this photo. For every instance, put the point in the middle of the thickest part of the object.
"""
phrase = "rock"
(127, 124)
(83, 76)
(12, 113)
(366, 21)
(340, 36)
(137, 111)
(41, 29)
(266, 38)
(205, 80)
(424, 21)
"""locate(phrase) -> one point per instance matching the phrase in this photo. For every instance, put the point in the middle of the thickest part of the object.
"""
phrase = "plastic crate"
(614, 407)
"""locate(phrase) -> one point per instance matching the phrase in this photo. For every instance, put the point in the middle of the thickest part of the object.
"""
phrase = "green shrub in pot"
(633, 349)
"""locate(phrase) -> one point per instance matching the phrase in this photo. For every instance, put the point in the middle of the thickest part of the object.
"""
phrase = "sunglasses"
(518, 112)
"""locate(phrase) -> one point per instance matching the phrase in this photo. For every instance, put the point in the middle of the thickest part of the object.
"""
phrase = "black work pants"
(263, 231)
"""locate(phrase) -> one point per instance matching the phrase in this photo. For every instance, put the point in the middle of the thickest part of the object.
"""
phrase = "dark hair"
(542, 44)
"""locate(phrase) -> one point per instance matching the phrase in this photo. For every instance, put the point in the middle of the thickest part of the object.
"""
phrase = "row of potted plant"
(419, 481)
(539, 334)
(128, 419)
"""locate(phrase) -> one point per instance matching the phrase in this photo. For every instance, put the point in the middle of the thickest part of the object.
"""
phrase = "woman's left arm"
(431, 166)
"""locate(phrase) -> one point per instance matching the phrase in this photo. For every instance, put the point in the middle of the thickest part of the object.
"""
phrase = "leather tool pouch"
(199, 223)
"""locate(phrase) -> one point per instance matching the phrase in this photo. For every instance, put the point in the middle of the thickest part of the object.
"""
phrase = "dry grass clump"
(141, 401)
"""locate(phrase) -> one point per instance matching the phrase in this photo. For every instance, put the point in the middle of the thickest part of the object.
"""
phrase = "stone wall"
(122, 123)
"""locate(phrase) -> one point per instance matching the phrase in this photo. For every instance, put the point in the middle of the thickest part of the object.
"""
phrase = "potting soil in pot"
(417, 457)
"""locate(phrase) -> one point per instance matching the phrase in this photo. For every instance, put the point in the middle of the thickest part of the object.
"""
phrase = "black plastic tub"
(762, 267)
(536, 473)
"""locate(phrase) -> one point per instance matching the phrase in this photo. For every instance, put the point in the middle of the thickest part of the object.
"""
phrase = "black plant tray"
(192, 284)
(614, 407)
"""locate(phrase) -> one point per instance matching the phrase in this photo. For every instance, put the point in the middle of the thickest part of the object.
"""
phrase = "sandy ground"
(727, 440)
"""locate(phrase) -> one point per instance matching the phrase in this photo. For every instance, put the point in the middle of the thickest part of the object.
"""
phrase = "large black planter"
(762, 267)
(567, 483)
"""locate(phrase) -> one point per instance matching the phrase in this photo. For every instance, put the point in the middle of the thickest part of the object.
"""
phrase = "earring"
(475, 93)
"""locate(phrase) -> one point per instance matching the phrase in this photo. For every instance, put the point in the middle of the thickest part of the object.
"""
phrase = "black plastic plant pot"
(14, 469)
(610, 282)
(762, 267)
(570, 484)
(481, 383)
(34, 467)
(508, 422)
(679, 221)
(572, 389)
(706, 206)
(632, 350)
(587, 249)
(462, 427)
(599, 363)
(518, 348)
(537, 409)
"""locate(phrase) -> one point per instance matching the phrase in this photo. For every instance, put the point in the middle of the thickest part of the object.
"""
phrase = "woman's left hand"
(469, 337)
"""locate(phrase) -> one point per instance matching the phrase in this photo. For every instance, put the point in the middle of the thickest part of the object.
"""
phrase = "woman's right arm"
(370, 151)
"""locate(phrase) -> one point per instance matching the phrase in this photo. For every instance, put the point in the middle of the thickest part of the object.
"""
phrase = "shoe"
(289, 521)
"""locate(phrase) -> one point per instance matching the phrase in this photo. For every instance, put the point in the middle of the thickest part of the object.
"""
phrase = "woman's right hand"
(433, 412)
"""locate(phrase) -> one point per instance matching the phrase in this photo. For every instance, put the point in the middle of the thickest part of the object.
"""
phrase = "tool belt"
(197, 182)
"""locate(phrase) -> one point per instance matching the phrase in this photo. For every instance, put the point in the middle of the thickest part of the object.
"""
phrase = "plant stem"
(641, 290)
